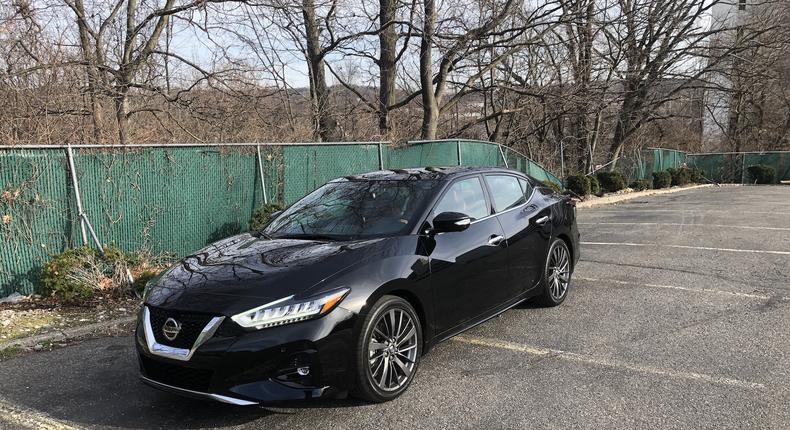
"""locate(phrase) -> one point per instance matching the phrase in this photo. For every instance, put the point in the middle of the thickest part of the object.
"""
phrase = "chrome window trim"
(180, 354)
(217, 397)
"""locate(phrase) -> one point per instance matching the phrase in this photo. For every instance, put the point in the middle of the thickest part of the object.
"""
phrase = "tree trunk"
(430, 106)
(91, 70)
(388, 40)
(122, 116)
(327, 126)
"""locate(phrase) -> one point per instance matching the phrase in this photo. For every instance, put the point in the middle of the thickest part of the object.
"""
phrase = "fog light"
(303, 371)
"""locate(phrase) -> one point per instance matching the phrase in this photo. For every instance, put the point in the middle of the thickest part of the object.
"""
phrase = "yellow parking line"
(674, 287)
(19, 417)
(606, 362)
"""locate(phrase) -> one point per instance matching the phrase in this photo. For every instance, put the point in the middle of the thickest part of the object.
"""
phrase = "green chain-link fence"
(732, 167)
(642, 164)
(724, 167)
(176, 199)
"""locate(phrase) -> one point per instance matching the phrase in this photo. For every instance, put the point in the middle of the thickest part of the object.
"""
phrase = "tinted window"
(526, 187)
(464, 196)
(505, 191)
(354, 209)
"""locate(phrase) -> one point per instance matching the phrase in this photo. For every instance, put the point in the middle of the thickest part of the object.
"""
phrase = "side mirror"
(446, 222)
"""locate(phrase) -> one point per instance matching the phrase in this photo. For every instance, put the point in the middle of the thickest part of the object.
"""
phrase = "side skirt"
(483, 318)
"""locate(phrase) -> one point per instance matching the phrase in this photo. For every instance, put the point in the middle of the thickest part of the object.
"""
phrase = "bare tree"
(665, 51)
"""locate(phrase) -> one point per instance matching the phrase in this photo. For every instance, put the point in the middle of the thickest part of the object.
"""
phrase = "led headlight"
(287, 310)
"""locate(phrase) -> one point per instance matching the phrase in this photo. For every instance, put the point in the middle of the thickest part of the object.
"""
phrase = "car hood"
(245, 271)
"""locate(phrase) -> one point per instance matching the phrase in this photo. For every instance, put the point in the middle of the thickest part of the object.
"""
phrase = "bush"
(58, 275)
(662, 179)
(681, 176)
(262, 215)
(611, 181)
(761, 174)
(641, 184)
(77, 275)
(141, 279)
(697, 175)
(579, 184)
(595, 186)
(552, 185)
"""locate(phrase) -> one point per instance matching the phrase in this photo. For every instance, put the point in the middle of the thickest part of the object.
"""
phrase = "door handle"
(542, 220)
(495, 240)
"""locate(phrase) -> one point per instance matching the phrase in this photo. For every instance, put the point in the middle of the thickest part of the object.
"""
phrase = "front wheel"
(388, 350)
(556, 274)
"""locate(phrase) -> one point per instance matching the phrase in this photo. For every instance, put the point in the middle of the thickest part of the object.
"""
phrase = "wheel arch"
(569, 244)
(418, 306)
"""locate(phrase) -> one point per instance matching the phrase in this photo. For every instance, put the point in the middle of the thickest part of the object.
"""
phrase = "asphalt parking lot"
(678, 317)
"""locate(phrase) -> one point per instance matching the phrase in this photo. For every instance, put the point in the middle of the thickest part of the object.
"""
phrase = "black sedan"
(345, 290)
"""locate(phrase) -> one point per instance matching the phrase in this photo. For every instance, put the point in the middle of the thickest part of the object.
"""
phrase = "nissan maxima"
(345, 290)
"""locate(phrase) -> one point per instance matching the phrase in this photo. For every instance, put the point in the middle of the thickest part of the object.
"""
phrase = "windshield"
(354, 209)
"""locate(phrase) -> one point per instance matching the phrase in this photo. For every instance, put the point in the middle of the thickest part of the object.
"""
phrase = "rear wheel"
(388, 350)
(556, 274)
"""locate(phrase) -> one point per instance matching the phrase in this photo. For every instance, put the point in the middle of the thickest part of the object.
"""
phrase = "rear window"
(526, 187)
(506, 191)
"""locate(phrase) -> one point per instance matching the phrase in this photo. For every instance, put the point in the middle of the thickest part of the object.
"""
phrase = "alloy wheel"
(392, 349)
(559, 272)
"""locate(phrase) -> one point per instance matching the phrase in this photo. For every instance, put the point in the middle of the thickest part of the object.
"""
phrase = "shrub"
(58, 275)
(262, 215)
(761, 174)
(697, 175)
(579, 184)
(611, 181)
(662, 179)
(595, 186)
(552, 185)
(641, 184)
(77, 275)
(681, 176)
(141, 279)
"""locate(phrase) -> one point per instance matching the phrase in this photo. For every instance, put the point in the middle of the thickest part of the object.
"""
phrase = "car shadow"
(529, 304)
(96, 383)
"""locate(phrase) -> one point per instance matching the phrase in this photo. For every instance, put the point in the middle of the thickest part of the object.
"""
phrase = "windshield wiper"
(307, 236)
(260, 233)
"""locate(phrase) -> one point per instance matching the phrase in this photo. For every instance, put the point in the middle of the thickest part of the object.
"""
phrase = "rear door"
(526, 221)
(468, 268)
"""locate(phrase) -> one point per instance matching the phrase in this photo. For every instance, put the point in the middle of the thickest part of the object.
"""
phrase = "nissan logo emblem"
(171, 329)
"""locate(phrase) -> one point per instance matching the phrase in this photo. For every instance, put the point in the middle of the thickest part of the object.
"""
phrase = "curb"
(617, 198)
(67, 334)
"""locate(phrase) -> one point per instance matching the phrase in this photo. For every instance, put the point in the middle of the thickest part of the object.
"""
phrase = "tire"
(374, 380)
(556, 281)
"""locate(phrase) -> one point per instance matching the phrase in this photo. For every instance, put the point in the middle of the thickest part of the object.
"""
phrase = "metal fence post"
(458, 149)
(502, 153)
(381, 157)
(260, 172)
(76, 186)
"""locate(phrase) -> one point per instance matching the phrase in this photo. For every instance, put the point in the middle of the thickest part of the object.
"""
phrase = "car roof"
(423, 173)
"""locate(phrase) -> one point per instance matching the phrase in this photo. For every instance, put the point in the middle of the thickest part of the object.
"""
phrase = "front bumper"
(241, 367)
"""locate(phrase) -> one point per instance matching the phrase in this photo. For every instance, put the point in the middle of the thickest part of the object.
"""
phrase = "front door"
(468, 268)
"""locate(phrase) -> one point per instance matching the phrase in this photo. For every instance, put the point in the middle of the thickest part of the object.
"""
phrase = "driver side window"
(466, 197)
